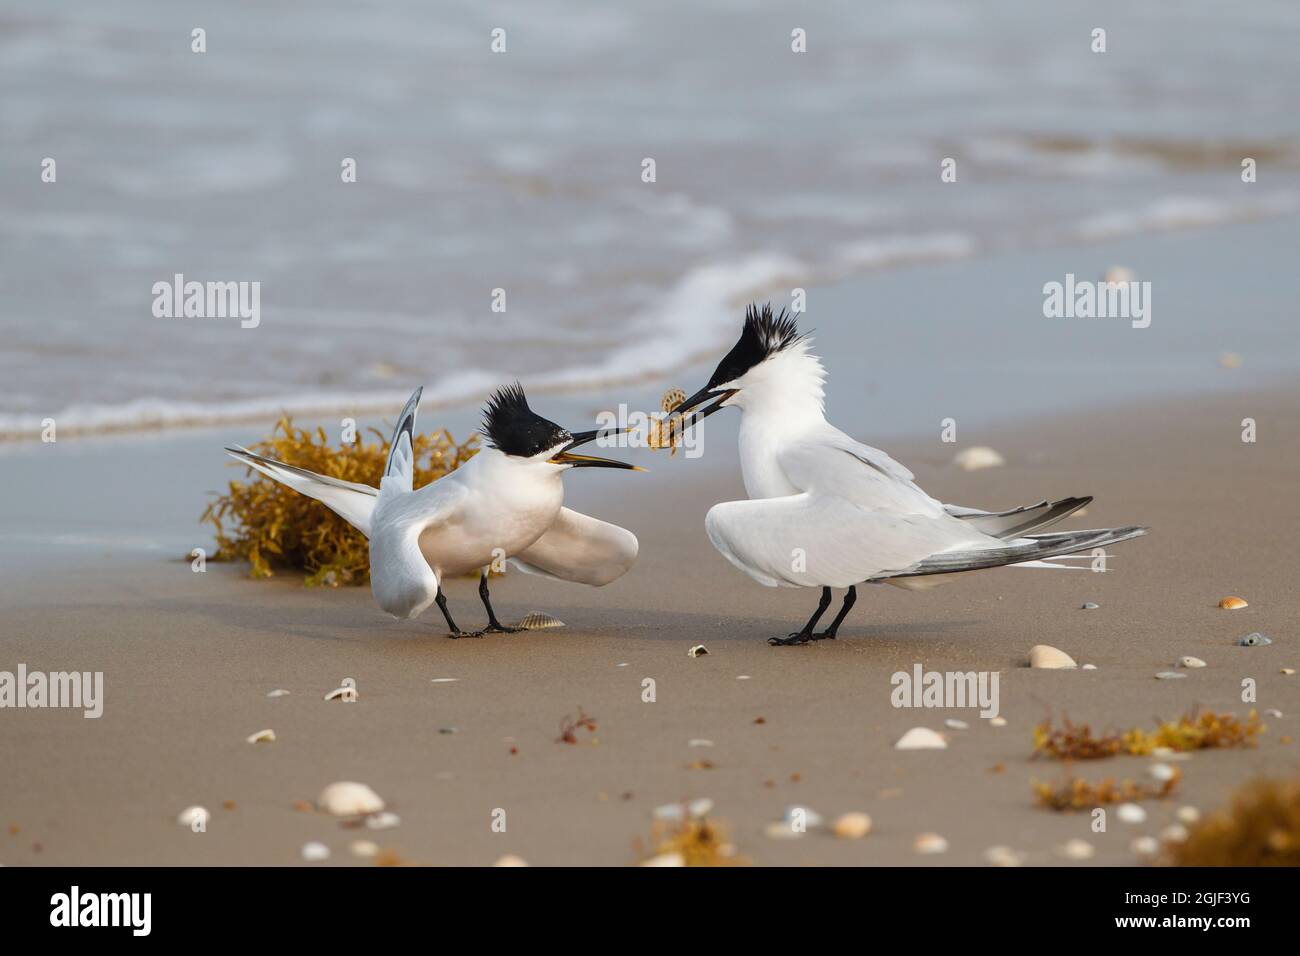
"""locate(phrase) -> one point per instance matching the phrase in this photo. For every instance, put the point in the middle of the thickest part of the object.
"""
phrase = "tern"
(506, 502)
(827, 511)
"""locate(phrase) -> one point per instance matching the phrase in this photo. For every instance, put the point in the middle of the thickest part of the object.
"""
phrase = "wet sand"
(189, 658)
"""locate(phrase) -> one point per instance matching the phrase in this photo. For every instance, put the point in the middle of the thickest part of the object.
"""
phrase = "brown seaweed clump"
(1261, 827)
(698, 841)
(1075, 793)
(273, 527)
(1192, 731)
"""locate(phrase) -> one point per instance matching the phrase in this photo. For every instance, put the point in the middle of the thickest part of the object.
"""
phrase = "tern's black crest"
(764, 334)
(511, 427)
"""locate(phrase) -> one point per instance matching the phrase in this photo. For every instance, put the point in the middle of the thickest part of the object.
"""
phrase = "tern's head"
(769, 367)
(523, 436)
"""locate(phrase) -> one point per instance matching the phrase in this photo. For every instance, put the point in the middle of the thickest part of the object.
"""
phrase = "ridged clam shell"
(1232, 603)
(537, 621)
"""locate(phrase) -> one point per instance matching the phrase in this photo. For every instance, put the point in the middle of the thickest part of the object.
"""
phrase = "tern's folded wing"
(810, 540)
(833, 464)
(581, 549)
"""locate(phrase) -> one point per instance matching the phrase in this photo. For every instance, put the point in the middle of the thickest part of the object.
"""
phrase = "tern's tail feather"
(1032, 548)
(352, 502)
(1019, 521)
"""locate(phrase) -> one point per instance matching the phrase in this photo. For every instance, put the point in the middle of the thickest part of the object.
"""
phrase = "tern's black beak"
(566, 457)
(702, 396)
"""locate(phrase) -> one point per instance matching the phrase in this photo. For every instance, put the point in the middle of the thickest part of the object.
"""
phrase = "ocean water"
(522, 171)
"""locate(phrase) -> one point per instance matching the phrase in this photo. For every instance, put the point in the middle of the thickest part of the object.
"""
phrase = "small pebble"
(921, 738)
(1089, 606)
(1190, 662)
(1232, 603)
(363, 848)
(699, 650)
(930, 843)
(997, 721)
(1170, 675)
(1145, 846)
(1046, 656)
(852, 826)
(1254, 639)
(956, 724)
(314, 852)
(1077, 849)
(1188, 815)
(1130, 813)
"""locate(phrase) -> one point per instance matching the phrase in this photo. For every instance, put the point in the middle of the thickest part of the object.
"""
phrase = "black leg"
(494, 625)
(806, 635)
(442, 606)
(829, 633)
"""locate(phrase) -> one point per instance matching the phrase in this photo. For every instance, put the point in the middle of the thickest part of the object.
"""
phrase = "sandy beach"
(189, 660)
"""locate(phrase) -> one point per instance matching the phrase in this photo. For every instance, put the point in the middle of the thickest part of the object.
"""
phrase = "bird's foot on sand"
(823, 636)
(498, 628)
(454, 635)
(799, 637)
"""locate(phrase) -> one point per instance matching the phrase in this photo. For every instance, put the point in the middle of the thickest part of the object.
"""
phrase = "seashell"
(383, 821)
(342, 693)
(1119, 274)
(977, 457)
(699, 650)
(672, 398)
(261, 737)
(315, 851)
(781, 831)
(665, 859)
(806, 817)
(347, 799)
(699, 742)
(1174, 833)
(538, 621)
(1077, 849)
(852, 826)
(194, 817)
(1145, 846)
(1188, 815)
(1089, 606)
(1230, 360)
(997, 721)
(363, 848)
(921, 738)
(1190, 662)
(956, 724)
(443, 680)
(1232, 603)
(1272, 712)
(1046, 656)
(278, 692)
(699, 808)
(1088, 667)
(1170, 675)
(511, 860)
(743, 677)
(1003, 856)
(929, 843)
(1288, 671)
(1162, 772)
(1130, 813)
(1254, 639)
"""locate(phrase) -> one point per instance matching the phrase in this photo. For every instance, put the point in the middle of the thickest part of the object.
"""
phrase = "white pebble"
(314, 852)
(1130, 813)
(1046, 656)
(1190, 662)
(921, 738)
(346, 799)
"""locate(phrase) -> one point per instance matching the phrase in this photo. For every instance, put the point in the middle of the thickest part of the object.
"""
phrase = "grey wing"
(1018, 521)
(581, 549)
(833, 464)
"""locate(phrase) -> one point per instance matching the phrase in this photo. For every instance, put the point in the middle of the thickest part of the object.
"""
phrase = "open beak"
(699, 398)
(566, 457)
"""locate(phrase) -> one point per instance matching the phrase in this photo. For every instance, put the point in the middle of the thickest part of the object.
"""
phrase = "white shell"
(780, 830)
(383, 821)
(1190, 662)
(315, 851)
(192, 815)
(1077, 849)
(930, 843)
(852, 826)
(1288, 671)
(1003, 856)
(278, 692)
(537, 621)
(1188, 815)
(1162, 772)
(1272, 712)
(1046, 656)
(699, 742)
(665, 859)
(921, 738)
(956, 724)
(443, 680)
(699, 808)
(1145, 846)
(997, 721)
(363, 848)
(1088, 667)
(1170, 675)
(1130, 813)
(1174, 833)
(261, 737)
(347, 799)
(977, 457)
(342, 693)
(511, 860)
(697, 651)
